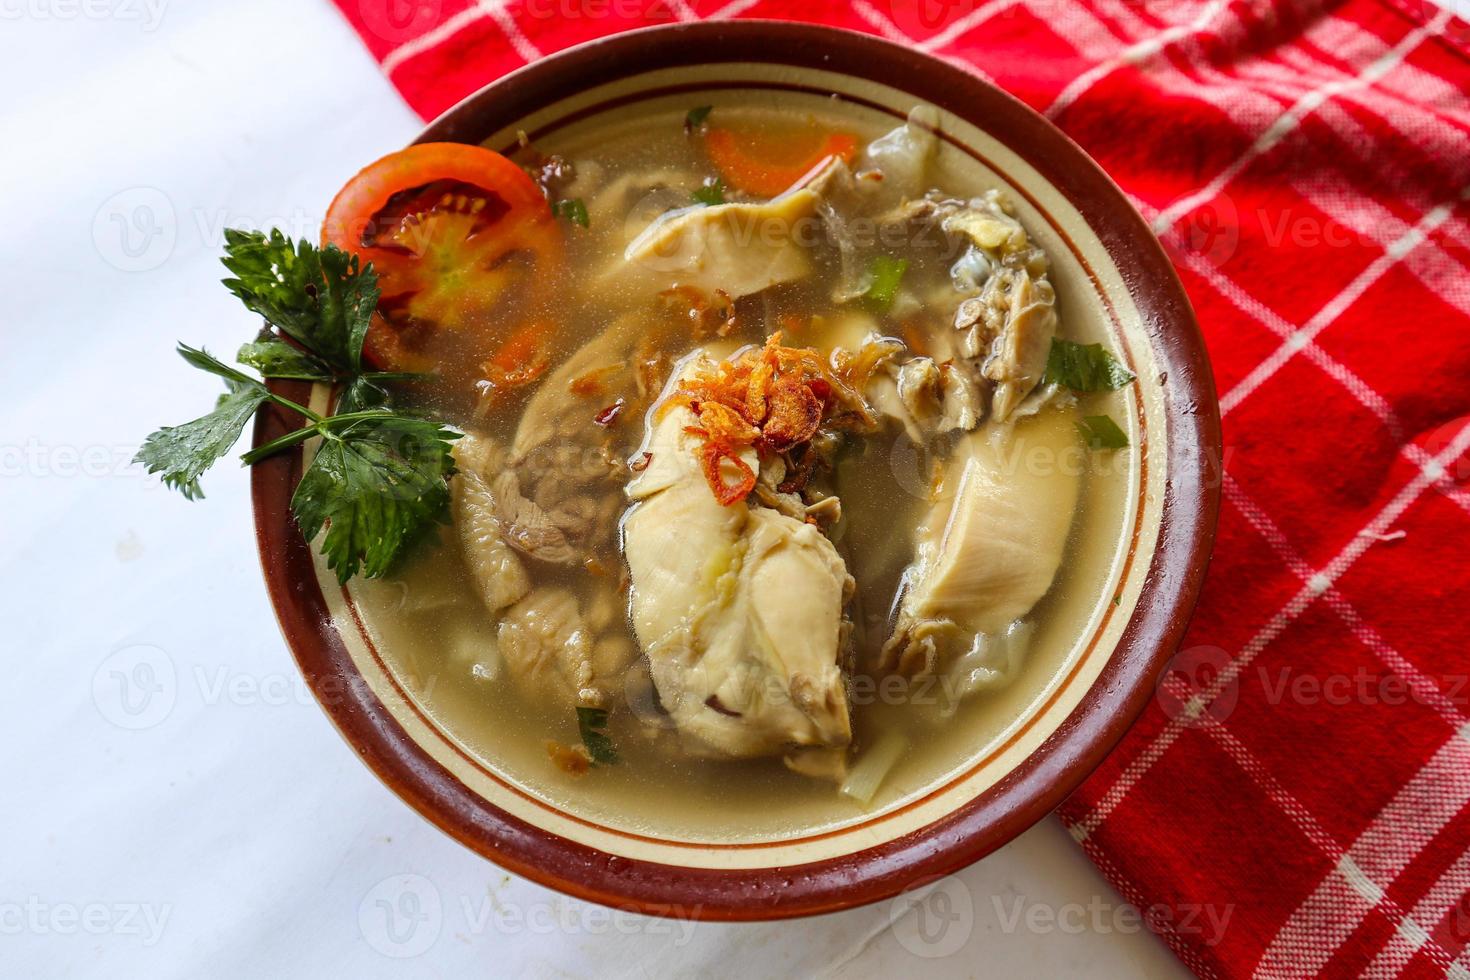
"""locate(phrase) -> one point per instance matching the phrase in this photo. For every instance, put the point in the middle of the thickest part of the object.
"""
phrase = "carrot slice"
(523, 347)
(767, 168)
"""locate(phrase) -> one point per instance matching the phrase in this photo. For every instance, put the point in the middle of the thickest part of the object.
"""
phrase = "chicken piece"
(739, 248)
(551, 655)
(1018, 355)
(1005, 332)
(991, 545)
(989, 227)
(927, 400)
(827, 764)
(637, 193)
(556, 415)
(738, 609)
(546, 489)
(904, 156)
(498, 574)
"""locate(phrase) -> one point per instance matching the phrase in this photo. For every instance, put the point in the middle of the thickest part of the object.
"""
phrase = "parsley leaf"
(379, 477)
(274, 357)
(374, 484)
(884, 275)
(710, 194)
(592, 725)
(1084, 367)
(320, 298)
(574, 210)
(1101, 432)
(696, 117)
(182, 453)
(362, 393)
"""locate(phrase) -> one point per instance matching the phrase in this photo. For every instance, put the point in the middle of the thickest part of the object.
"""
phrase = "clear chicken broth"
(437, 634)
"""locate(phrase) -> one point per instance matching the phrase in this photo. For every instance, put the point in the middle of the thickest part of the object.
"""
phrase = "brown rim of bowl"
(1043, 779)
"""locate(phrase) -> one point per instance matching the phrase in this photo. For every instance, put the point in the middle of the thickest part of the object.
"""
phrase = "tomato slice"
(765, 164)
(466, 250)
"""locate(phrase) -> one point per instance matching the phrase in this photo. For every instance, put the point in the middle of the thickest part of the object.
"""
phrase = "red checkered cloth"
(1295, 800)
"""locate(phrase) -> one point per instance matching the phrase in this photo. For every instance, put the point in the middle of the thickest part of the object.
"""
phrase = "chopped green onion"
(872, 767)
(1084, 367)
(884, 275)
(592, 724)
(711, 194)
(1101, 432)
(573, 210)
(696, 117)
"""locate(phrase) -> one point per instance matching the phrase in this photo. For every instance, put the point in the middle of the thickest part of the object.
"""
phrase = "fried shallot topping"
(772, 399)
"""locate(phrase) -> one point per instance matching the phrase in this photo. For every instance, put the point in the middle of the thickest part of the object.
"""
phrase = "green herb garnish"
(696, 117)
(884, 275)
(1084, 367)
(182, 453)
(1101, 432)
(574, 210)
(319, 298)
(592, 724)
(711, 194)
(379, 476)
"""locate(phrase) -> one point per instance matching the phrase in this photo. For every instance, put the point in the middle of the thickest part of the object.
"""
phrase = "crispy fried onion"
(773, 399)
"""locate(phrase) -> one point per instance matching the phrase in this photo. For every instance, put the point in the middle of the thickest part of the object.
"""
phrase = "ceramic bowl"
(1109, 270)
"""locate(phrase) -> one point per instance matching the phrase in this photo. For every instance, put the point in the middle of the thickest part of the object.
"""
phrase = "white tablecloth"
(174, 803)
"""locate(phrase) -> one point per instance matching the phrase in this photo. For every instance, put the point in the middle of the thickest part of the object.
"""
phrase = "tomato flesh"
(465, 247)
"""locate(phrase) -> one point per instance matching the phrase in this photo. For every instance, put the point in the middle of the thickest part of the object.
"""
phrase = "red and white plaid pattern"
(1303, 776)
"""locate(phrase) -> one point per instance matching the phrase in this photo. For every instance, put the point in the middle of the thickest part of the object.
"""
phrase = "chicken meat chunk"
(739, 609)
(552, 655)
(739, 248)
(498, 573)
(992, 543)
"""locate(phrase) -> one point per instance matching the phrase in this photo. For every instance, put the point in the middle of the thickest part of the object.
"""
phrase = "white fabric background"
(174, 803)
